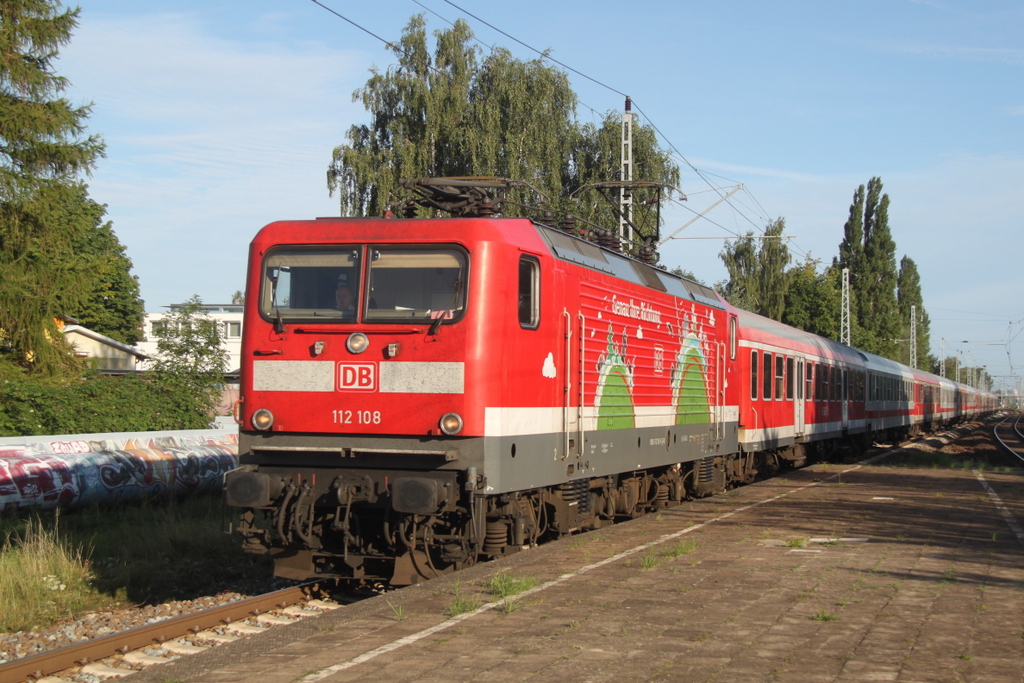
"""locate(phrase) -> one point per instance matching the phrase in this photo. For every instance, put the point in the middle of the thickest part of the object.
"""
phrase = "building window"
(160, 328)
(232, 330)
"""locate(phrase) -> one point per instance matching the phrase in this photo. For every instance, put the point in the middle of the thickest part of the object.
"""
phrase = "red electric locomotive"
(418, 394)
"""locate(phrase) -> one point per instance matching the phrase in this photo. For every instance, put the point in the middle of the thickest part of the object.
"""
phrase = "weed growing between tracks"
(56, 564)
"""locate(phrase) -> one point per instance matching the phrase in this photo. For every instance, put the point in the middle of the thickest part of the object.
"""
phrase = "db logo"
(357, 377)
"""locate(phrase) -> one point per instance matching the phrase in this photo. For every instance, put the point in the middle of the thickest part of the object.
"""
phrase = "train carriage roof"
(759, 328)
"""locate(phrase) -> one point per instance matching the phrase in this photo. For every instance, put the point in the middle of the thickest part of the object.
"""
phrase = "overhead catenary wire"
(545, 54)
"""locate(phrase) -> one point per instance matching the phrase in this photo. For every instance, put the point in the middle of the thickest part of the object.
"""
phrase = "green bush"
(94, 403)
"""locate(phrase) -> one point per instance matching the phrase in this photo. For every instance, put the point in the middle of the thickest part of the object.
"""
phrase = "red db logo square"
(357, 377)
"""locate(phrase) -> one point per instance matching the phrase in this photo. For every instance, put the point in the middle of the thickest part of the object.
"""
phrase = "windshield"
(404, 284)
(416, 284)
(304, 284)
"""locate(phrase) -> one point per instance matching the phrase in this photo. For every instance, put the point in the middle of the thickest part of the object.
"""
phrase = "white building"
(229, 317)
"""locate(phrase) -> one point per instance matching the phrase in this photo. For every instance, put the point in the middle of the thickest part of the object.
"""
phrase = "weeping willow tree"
(598, 158)
(458, 112)
(43, 153)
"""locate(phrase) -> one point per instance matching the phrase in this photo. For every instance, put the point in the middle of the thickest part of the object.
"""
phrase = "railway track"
(120, 654)
(1011, 436)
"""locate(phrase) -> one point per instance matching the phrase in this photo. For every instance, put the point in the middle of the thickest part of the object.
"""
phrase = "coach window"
(753, 375)
(846, 384)
(767, 376)
(789, 379)
(780, 366)
(529, 292)
(809, 389)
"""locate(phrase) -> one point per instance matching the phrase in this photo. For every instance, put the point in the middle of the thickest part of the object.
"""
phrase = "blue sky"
(221, 116)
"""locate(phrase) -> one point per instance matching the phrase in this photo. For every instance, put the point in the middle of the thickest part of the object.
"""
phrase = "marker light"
(262, 419)
(357, 342)
(451, 424)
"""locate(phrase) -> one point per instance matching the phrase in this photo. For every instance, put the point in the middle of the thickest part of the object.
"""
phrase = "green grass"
(505, 584)
(56, 564)
(398, 610)
(649, 561)
(937, 460)
(796, 542)
(460, 604)
(681, 547)
(44, 577)
(824, 615)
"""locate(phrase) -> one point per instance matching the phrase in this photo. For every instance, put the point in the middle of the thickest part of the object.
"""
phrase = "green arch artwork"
(614, 399)
(689, 384)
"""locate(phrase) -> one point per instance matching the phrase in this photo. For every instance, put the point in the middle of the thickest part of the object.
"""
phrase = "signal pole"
(626, 175)
(844, 320)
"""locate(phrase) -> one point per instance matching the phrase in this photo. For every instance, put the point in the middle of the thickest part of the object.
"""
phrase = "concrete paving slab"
(935, 593)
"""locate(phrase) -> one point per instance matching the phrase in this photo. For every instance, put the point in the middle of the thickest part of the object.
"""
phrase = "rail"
(1017, 431)
(53, 661)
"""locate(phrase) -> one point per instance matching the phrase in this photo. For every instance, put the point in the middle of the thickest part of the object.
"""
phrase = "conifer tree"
(43, 153)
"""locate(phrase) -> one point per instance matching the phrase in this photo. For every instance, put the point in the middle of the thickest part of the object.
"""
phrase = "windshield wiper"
(434, 326)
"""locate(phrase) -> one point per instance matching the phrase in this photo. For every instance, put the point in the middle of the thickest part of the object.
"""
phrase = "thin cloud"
(726, 167)
(207, 139)
(1009, 56)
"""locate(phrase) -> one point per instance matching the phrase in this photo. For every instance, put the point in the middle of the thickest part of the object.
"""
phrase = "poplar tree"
(851, 256)
(869, 252)
(44, 151)
(908, 291)
(877, 288)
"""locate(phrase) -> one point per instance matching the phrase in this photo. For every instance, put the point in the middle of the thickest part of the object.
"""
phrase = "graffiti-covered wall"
(71, 471)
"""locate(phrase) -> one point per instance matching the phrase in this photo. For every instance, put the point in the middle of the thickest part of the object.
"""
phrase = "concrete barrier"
(74, 470)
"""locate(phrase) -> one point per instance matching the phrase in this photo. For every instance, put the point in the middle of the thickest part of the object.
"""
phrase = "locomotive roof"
(595, 257)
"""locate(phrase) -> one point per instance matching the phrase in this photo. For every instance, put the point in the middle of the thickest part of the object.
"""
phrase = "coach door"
(798, 404)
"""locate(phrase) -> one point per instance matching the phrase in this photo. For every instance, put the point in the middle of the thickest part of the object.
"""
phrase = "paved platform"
(770, 582)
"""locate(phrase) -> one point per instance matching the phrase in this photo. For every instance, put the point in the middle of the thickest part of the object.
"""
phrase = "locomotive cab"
(371, 349)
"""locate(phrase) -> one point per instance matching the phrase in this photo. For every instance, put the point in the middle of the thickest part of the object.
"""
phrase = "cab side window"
(529, 292)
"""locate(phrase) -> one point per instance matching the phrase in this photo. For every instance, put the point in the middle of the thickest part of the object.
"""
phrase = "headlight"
(451, 424)
(262, 419)
(357, 342)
